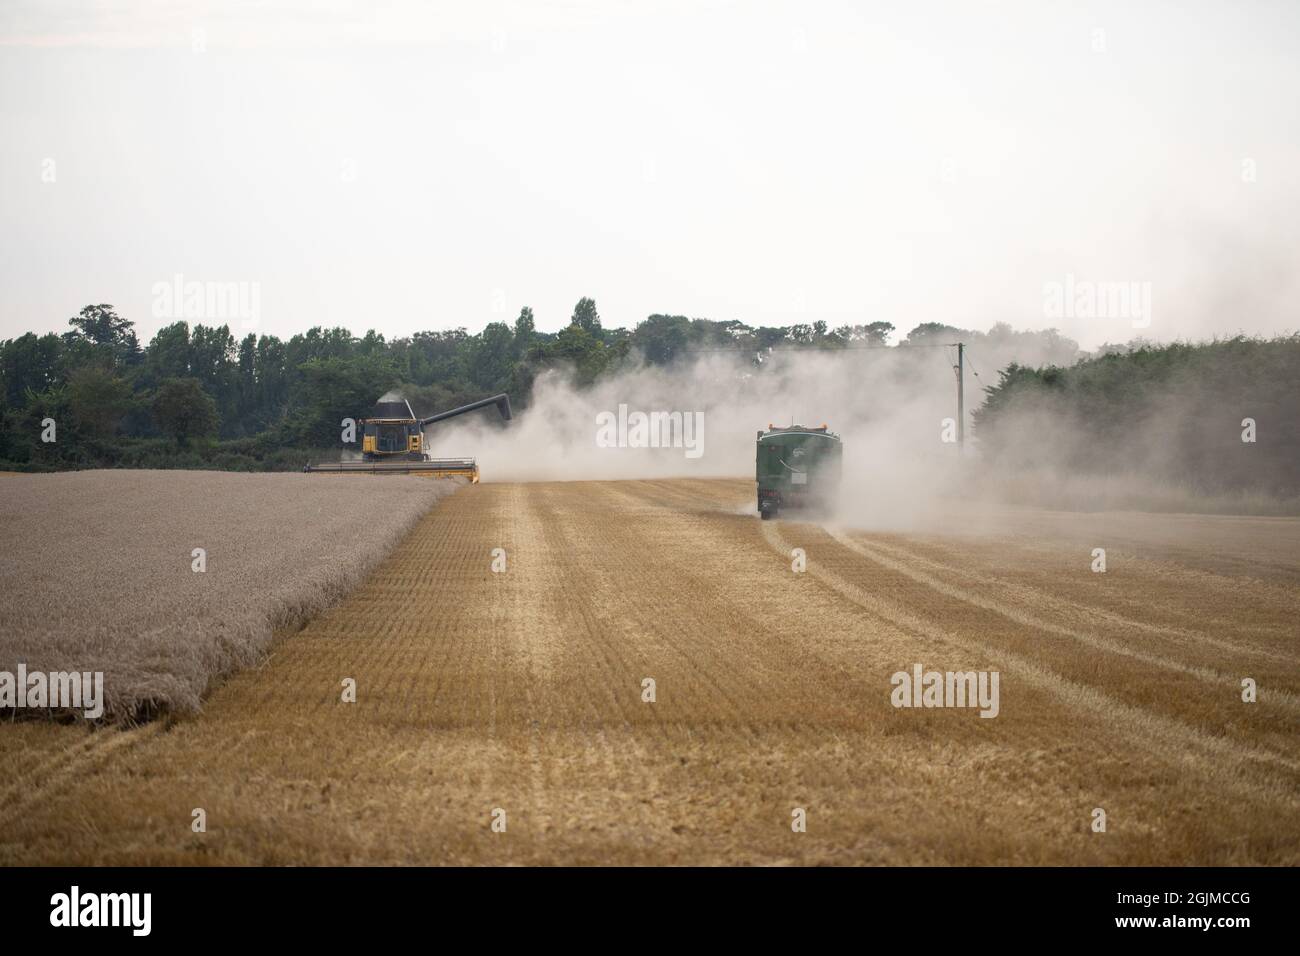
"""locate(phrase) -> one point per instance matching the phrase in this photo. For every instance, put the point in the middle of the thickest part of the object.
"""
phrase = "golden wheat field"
(517, 696)
(99, 571)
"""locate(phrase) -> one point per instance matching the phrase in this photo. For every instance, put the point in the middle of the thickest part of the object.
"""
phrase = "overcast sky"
(404, 166)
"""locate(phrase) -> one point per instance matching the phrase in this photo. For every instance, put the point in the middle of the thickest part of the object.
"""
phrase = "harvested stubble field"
(522, 691)
(98, 572)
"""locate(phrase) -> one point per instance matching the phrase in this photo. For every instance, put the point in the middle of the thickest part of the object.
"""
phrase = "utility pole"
(961, 397)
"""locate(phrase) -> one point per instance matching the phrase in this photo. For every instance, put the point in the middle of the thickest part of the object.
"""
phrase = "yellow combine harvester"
(392, 442)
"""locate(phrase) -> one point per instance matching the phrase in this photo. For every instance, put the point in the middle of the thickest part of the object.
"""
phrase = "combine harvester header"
(392, 442)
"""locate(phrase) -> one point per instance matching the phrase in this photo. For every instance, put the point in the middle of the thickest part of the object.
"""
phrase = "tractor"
(797, 467)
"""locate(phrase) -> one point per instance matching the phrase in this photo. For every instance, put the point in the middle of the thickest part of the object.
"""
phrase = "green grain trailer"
(797, 467)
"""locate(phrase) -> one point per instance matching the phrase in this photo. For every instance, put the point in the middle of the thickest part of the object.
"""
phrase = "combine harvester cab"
(392, 442)
(797, 467)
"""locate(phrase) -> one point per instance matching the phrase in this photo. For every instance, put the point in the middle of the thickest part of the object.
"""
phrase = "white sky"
(768, 162)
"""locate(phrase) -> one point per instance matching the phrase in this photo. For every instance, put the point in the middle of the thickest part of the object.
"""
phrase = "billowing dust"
(895, 410)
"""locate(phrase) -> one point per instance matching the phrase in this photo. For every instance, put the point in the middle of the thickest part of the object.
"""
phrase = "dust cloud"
(889, 406)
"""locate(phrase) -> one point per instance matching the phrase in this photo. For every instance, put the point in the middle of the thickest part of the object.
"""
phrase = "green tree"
(933, 333)
(28, 363)
(586, 317)
(336, 388)
(212, 355)
(874, 333)
(101, 327)
(525, 331)
(184, 411)
(661, 338)
(169, 352)
(246, 390)
(801, 333)
(371, 344)
(52, 403)
(877, 333)
(271, 379)
(97, 399)
(587, 355)
(768, 337)
(490, 358)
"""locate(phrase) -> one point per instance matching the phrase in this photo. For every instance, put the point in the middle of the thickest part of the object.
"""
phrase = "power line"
(972, 366)
(957, 366)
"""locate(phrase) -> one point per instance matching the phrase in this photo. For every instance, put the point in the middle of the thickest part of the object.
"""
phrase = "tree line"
(1221, 417)
(197, 396)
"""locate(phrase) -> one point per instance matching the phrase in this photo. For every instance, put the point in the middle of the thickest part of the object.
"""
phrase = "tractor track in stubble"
(1003, 609)
(1144, 728)
(30, 787)
(920, 567)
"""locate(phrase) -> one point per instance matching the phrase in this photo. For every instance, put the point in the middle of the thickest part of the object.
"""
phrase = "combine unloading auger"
(392, 442)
